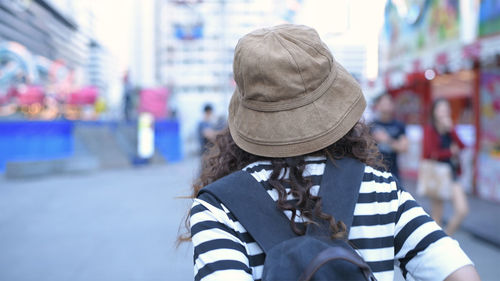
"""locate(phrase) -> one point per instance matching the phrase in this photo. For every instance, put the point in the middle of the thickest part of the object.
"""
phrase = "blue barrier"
(168, 140)
(167, 136)
(35, 140)
(46, 140)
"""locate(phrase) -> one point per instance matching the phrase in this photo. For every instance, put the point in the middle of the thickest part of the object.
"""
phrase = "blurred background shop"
(447, 49)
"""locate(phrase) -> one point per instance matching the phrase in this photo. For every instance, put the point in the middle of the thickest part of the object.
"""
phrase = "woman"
(441, 143)
(294, 107)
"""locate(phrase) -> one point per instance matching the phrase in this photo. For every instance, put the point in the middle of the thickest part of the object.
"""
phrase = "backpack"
(313, 256)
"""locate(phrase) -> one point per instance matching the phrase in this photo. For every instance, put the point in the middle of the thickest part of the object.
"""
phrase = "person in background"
(442, 143)
(128, 98)
(389, 133)
(206, 128)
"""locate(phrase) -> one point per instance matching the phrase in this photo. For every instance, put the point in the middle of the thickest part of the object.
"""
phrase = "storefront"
(460, 88)
(414, 97)
(425, 56)
(427, 59)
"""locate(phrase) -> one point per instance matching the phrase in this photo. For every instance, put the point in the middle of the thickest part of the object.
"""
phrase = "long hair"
(225, 157)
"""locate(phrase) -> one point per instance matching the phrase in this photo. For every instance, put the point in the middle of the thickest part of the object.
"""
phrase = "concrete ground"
(479, 221)
(111, 225)
(117, 225)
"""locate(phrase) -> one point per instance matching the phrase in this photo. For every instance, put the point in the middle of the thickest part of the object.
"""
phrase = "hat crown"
(292, 98)
(281, 64)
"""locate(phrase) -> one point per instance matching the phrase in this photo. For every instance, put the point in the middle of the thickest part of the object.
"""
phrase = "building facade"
(48, 53)
(43, 30)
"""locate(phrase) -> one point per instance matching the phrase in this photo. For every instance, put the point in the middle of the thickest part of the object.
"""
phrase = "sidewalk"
(483, 220)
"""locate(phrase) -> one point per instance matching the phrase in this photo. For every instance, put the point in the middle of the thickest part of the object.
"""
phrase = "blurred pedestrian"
(207, 128)
(294, 120)
(128, 98)
(441, 166)
(389, 133)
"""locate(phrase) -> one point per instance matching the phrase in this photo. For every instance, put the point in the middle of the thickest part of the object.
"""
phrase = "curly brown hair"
(225, 157)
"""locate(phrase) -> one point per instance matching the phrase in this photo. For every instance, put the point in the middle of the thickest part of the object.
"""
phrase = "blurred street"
(112, 225)
(117, 225)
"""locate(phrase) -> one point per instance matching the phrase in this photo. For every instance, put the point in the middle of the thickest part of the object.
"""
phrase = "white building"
(103, 73)
(142, 43)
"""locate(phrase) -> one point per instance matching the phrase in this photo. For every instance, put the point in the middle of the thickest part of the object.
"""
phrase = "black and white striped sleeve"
(422, 249)
(218, 253)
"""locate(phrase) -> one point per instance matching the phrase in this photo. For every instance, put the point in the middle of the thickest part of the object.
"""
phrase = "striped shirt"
(389, 229)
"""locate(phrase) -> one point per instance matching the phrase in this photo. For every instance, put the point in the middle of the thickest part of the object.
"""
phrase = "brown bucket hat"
(292, 98)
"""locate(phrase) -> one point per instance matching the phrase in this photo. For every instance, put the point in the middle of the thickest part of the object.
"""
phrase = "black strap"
(266, 223)
(253, 207)
(339, 191)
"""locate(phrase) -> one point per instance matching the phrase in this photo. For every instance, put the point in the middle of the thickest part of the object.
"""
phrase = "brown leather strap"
(336, 253)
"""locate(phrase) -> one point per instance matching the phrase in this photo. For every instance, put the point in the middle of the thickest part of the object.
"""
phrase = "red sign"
(84, 96)
(30, 95)
(154, 101)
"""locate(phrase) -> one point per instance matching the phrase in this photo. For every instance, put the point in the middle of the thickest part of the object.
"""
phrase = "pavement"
(482, 222)
(123, 224)
(109, 225)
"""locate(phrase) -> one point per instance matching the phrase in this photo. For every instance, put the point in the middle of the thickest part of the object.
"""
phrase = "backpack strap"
(339, 191)
(249, 202)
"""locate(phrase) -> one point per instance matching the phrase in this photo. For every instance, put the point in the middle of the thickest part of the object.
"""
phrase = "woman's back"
(294, 106)
(388, 229)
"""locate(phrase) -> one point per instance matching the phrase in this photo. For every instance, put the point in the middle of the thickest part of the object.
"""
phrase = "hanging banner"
(416, 25)
(187, 21)
(489, 17)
